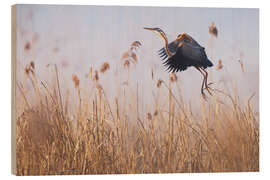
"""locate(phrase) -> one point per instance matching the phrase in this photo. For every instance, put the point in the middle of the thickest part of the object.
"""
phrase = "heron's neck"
(167, 49)
(166, 45)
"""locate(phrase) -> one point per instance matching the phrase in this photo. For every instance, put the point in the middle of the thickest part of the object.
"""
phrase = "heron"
(182, 53)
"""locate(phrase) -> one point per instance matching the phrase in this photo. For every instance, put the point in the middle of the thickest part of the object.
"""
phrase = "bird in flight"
(182, 53)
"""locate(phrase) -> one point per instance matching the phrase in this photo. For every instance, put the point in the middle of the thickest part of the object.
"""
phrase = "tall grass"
(105, 136)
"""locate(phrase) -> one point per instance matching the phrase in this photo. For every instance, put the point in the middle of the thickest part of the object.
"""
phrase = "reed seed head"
(126, 63)
(105, 66)
(213, 29)
(220, 66)
(135, 45)
(159, 82)
(32, 65)
(75, 80)
(96, 77)
(173, 77)
(26, 70)
(27, 46)
(30, 68)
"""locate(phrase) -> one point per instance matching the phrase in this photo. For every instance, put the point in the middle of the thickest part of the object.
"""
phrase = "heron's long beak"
(150, 29)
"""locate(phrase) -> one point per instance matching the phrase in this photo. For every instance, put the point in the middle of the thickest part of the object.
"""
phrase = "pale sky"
(87, 36)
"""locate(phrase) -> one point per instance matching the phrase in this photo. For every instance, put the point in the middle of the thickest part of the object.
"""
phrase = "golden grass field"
(95, 134)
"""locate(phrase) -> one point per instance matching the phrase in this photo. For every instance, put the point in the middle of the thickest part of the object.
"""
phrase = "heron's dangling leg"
(206, 85)
(203, 83)
(203, 94)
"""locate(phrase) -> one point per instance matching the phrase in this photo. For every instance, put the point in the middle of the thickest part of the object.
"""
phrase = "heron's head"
(156, 30)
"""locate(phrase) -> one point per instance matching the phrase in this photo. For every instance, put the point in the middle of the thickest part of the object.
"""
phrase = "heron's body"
(183, 53)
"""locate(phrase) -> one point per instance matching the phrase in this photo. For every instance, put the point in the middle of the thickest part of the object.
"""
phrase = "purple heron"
(182, 53)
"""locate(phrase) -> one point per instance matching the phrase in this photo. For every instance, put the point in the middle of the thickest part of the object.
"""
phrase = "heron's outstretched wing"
(190, 46)
(176, 62)
(192, 51)
(188, 38)
(188, 49)
(186, 55)
(173, 46)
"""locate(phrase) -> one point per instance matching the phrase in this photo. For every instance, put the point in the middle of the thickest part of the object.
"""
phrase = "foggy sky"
(84, 36)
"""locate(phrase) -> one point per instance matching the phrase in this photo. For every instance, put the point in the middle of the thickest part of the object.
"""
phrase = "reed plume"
(30, 68)
(27, 46)
(75, 80)
(26, 70)
(96, 77)
(105, 66)
(32, 65)
(135, 45)
(220, 66)
(173, 77)
(126, 64)
(159, 82)
(213, 29)
(130, 55)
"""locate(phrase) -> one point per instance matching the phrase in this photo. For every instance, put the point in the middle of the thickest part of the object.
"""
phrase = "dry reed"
(104, 143)
(108, 136)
